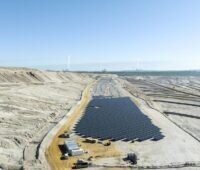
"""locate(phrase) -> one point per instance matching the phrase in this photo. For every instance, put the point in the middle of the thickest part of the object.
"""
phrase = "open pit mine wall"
(33, 76)
(24, 75)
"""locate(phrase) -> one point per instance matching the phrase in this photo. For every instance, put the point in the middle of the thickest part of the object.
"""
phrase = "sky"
(100, 34)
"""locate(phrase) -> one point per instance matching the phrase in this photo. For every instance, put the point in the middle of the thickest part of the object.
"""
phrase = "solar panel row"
(117, 119)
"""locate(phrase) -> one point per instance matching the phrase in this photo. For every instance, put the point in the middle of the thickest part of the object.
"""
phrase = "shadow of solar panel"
(116, 119)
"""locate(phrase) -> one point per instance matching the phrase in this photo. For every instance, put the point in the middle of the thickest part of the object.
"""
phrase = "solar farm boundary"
(118, 119)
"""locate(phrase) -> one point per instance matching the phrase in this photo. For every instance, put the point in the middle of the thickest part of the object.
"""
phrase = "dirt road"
(53, 152)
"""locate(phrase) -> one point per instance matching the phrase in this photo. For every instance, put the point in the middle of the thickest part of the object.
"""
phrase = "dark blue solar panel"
(117, 119)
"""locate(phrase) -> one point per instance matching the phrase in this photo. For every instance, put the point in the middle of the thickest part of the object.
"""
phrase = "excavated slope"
(32, 102)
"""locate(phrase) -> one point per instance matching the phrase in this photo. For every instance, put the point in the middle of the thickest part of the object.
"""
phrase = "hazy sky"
(97, 34)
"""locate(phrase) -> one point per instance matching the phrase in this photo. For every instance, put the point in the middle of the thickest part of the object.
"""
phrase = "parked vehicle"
(132, 157)
(81, 164)
(89, 140)
(107, 143)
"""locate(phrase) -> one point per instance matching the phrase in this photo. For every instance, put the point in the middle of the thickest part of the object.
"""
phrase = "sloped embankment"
(32, 102)
(25, 75)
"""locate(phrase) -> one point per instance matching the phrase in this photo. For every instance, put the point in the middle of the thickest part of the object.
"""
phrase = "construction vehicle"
(80, 163)
(132, 157)
(67, 134)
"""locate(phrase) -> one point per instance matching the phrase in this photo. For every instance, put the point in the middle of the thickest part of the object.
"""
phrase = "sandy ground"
(54, 151)
(31, 103)
(177, 97)
(181, 143)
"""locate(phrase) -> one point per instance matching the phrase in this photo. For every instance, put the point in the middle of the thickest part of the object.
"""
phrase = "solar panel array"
(116, 119)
